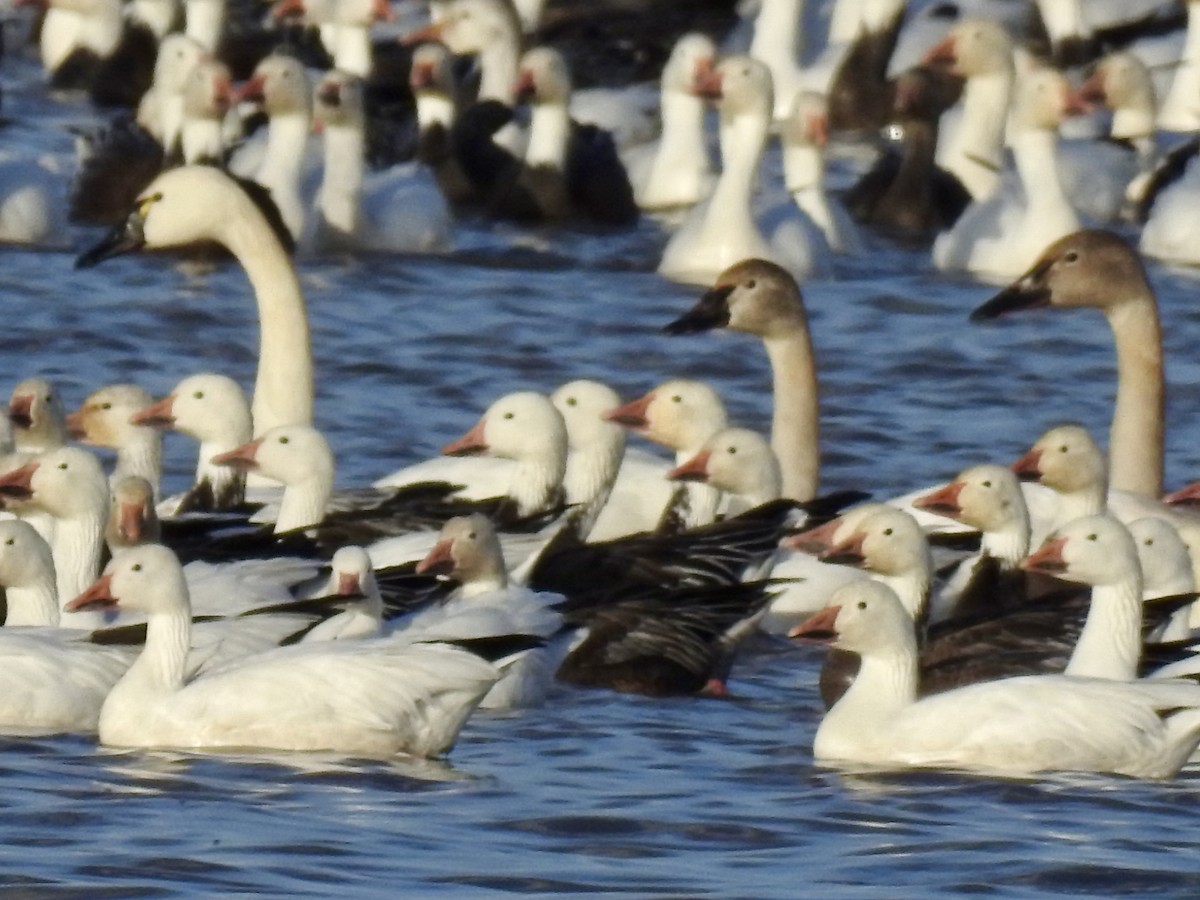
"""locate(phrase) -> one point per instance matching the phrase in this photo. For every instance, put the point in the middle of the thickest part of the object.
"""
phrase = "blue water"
(596, 794)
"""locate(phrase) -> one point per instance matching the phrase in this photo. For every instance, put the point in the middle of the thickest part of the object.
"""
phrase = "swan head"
(582, 404)
(1086, 268)
(177, 55)
(521, 426)
(471, 26)
(753, 296)
(863, 616)
(680, 414)
(887, 542)
(1065, 459)
(467, 550)
(208, 407)
(543, 78)
(987, 497)
(352, 573)
(37, 416)
(104, 418)
(1092, 550)
(1164, 558)
(132, 520)
(432, 70)
(289, 454)
(25, 557)
(971, 48)
(738, 85)
(185, 206)
(690, 61)
(146, 579)
(339, 101)
(66, 483)
(207, 90)
(280, 83)
(735, 460)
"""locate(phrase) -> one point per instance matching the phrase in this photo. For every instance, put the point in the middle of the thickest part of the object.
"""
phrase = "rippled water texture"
(595, 794)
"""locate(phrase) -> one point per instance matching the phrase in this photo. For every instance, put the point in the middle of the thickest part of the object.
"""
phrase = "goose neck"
(1009, 544)
(537, 482)
(1136, 438)
(162, 664)
(912, 588)
(434, 109)
(33, 604)
(885, 685)
(1110, 644)
(228, 484)
(142, 457)
(549, 132)
(1063, 19)
(284, 155)
(340, 198)
(973, 152)
(1035, 152)
(171, 118)
(795, 426)
(498, 65)
(589, 478)
(77, 545)
(483, 585)
(304, 504)
(353, 53)
(1090, 500)
(743, 139)
(1132, 123)
(205, 20)
(777, 33)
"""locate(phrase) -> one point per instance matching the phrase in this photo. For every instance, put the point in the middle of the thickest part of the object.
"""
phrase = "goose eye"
(676, 399)
(9, 542)
(470, 536)
(887, 531)
(862, 604)
(62, 466)
(106, 406)
(1149, 542)
(732, 450)
(136, 567)
(987, 484)
(284, 440)
(49, 398)
(1062, 449)
(199, 395)
(1091, 537)
(508, 415)
(571, 401)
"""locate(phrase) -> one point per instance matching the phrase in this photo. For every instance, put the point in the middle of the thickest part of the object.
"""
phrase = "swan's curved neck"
(549, 132)
(795, 428)
(973, 150)
(340, 197)
(283, 390)
(33, 604)
(304, 503)
(1136, 439)
(1110, 644)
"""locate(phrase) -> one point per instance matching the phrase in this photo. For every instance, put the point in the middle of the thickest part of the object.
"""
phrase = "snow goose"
(980, 51)
(726, 228)
(280, 83)
(680, 414)
(195, 203)
(760, 297)
(738, 462)
(777, 43)
(1002, 235)
(27, 574)
(399, 210)
(37, 416)
(1166, 566)
(437, 96)
(1179, 110)
(803, 135)
(1099, 551)
(485, 605)
(132, 519)
(70, 486)
(207, 98)
(104, 420)
(570, 170)
(351, 576)
(363, 697)
(679, 172)
(488, 29)
(1015, 726)
(1099, 269)
(211, 409)
(161, 110)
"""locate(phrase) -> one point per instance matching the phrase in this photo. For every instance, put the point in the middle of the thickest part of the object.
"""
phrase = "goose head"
(208, 407)
(37, 417)
(1065, 459)
(1087, 268)
(177, 55)
(467, 551)
(973, 47)
(280, 83)
(738, 86)
(1043, 98)
(132, 519)
(104, 418)
(753, 296)
(338, 101)
(543, 78)
(1120, 81)
(823, 538)
(432, 70)
(67, 483)
(987, 497)
(25, 558)
(735, 460)
(1092, 550)
(691, 61)
(207, 90)
(185, 206)
(144, 579)
(470, 26)
(289, 454)
(887, 542)
(864, 616)
(582, 404)
(680, 414)
(807, 125)
(521, 426)
(352, 573)
(1164, 557)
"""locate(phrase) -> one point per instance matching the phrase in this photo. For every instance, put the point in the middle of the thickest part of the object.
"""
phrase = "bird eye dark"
(9, 542)
(199, 395)
(137, 567)
(862, 604)
(887, 531)
(987, 484)
(733, 449)
(471, 536)
(106, 406)
(676, 399)
(751, 284)
(571, 401)
(1091, 537)
(1071, 256)
(62, 466)
(1062, 449)
(284, 440)
(508, 415)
